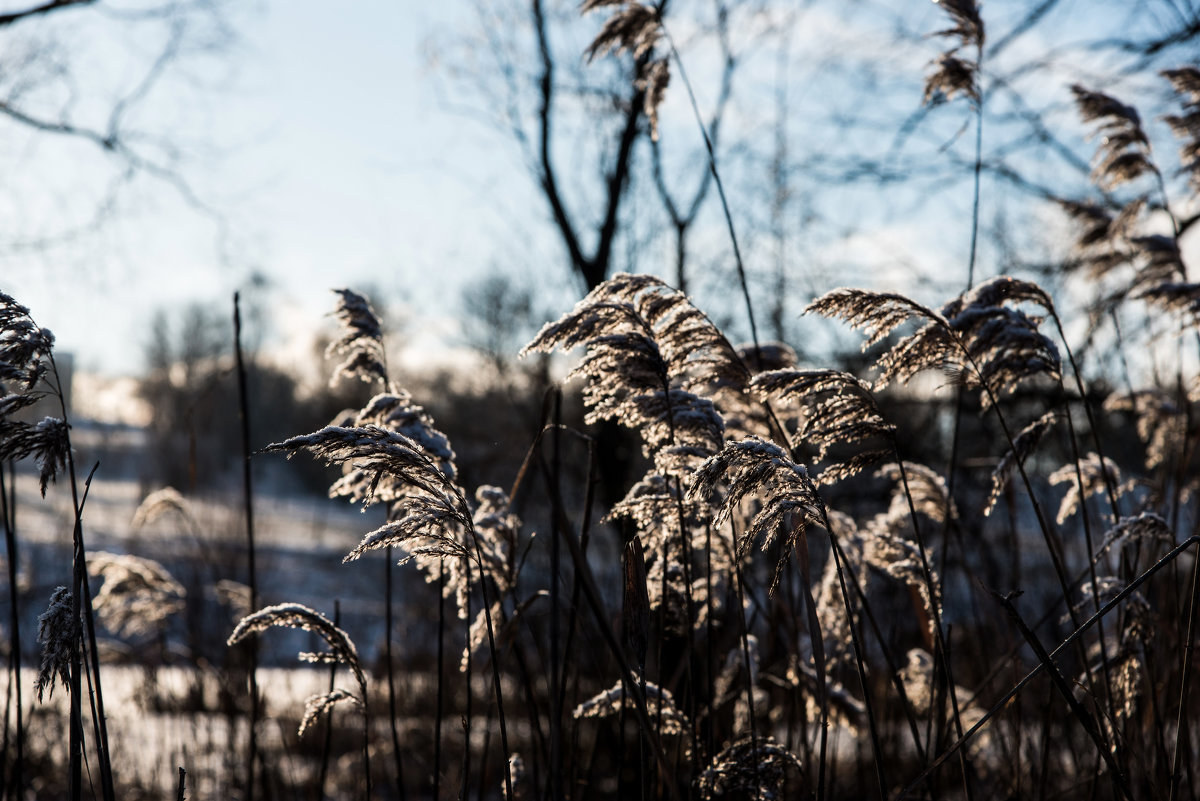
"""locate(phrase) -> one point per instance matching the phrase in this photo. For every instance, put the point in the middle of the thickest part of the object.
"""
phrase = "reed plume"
(836, 409)
(975, 338)
(647, 349)
(360, 345)
(1124, 151)
(138, 594)
(756, 467)
(1024, 444)
(749, 767)
(1092, 471)
(953, 73)
(1158, 419)
(58, 631)
(610, 702)
(1186, 126)
(634, 28)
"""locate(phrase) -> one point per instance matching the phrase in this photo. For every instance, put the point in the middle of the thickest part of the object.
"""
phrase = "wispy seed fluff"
(1024, 445)
(360, 344)
(659, 702)
(975, 338)
(58, 632)
(138, 594)
(302, 618)
(953, 73)
(647, 349)
(1094, 482)
(1124, 152)
(756, 467)
(837, 410)
(751, 768)
(635, 29)
(1186, 126)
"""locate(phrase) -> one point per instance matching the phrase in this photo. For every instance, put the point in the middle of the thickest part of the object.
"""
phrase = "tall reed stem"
(248, 508)
(8, 511)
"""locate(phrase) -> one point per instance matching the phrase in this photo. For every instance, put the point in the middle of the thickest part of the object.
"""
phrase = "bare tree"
(92, 76)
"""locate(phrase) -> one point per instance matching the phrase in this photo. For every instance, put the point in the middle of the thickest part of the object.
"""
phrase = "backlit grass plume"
(750, 767)
(647, 347)
(24, 347)
(1025, 443)
(953, 73)
(360, 344)
(138, 594)
(302, 618)
(756, 467)
(634, 28)
(26, 359)
(1091, 468)
(429, 515)
(975, 338)
(837, 410)
(397, 412)
(616, 699)
(1124, 151)
(1158, 419)
(1186, 126)
(58, 631)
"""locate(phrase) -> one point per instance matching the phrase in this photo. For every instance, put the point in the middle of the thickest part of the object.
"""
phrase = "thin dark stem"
(8, 513)
(248, 509)
(556, 677)
(818, 653)
(872, 726)
(1181, 720)
(439, 682)
(487, 616)
(712, 165)
(593, 599)
(1064, 688)
(391, 677)
(1070, 641)
(326, 749)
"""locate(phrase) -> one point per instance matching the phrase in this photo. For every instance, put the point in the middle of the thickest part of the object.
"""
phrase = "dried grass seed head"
(1160, 423)
(496, 531)
(317, 705)
(302, 618)
(58, 631)
(751, 767)
(1092, 472)
(138, 594)
(1025, 443)
(634, 28)
(1146, 527)
(838, 408)
(756, 467)
(1124, 151)
(646, 345)
(25, 347)
(381, 453)
(926, 487)
(161, 502)
(360, 344)
(954, 74)
(1186, 126)
(47, 441)
(659, 701)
